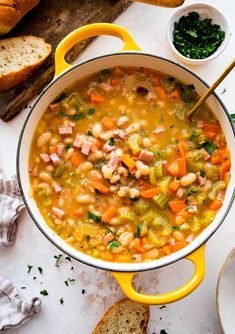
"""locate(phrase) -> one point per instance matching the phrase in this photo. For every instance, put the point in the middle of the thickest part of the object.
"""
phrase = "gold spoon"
(211, 89)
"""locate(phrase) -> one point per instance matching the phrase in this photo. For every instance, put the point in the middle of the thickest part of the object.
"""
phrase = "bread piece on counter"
(19, 56)
(124, 317)
(12, 11)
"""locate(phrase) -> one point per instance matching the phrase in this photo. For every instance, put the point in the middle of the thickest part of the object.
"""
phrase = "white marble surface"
(80, 312)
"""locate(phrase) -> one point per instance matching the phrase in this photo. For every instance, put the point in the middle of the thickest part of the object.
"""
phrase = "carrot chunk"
(215, 205)
(179, 245)
(182, 148)
(161, 93)
(114, 82)
(108, 123)
(182, 166)
(177, 205)
(225, 167)
(96, 98)
(173, 169)
(76, 159)
(128, 161)
(176, 94)
(100, 187)
(150, 193)
(109, 214)
(211, 127)
(174, 185)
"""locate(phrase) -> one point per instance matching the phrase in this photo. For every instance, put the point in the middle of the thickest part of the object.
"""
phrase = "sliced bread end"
(19, 57)
(124, 317)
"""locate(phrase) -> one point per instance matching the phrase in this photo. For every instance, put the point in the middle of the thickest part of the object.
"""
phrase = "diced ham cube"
(180, 192)
(151, 96)
(86, 147)
(79, 141)
(57, 188)
(55, 159)
(120, 133)
(201, 180)
(105, 86)
(159, 129)
(192, 209)
(204, 154)
(65, 130)
(58, 212)
(59, 149)
(200, 123)
(145, 155)
(220, 196)
(45, 157)
(190, 238)
(108, 148)
(107, 238)
(114, 161)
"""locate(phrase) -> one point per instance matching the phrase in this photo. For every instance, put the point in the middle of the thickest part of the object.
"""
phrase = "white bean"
(45, 177)
(50, 168)
(84, 199)
(147, 142)
(68, 140)
(188, 179)
(43, 139)
(96, 130)
(121, 193)
(115, 178)
(53, 141)
(152, 254)
(122, 171)
(95, 156)
(125, 238)
(178, 235)
(134, 127)
(69, 153)
(86, 166)
(134, 193)
(122, 120)
(114, 222)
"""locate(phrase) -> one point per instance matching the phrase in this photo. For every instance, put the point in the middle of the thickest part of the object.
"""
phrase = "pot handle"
(125, 281)
(85, 32)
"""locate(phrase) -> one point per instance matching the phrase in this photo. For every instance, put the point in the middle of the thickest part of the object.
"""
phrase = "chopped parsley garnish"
(29, 268)
(89, 133)
(209, 146)
(62, 114)
(176, 228)
(114, 244)
(67, 147)
(233, 117)
(83, 291)
(23, 287)
(186, 93)
(195, 37)
(111, 141)
(88, 237)
(137, 233)
(93, 216)
(58, 258)
(78, 116)
(202, 174)
(59, 98)
(44, 292)
(40, 270)
(61, 301)
(91, 111)
(68, 258)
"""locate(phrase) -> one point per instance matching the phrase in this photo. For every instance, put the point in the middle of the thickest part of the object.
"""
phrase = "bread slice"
(19, 56)
(124, 317)
(12, 11)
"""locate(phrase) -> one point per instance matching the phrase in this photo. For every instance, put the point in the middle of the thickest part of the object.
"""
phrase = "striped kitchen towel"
(11, 205)
(14, 312)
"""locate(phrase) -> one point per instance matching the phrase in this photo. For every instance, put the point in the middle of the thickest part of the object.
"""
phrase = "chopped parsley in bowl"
(198, 33)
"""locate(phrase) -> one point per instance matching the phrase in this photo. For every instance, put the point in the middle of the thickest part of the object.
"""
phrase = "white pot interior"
(67, 79)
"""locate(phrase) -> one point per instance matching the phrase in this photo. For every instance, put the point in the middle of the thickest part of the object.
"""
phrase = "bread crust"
(14, 78)
(12, 11)
(118, 305)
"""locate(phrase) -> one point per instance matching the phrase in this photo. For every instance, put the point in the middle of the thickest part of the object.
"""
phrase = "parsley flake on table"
(58, 258)
(44, 292)
(162, 331)
(29, 268)
(69, 280)
(68, 258)
(40, 270)
(61, 301)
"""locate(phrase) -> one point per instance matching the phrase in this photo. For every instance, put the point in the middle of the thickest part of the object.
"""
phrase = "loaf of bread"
(124, 317)
(19, 57)
(12, 11)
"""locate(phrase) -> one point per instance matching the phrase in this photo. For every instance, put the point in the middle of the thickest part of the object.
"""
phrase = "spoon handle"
(163, 3)
(211, 89)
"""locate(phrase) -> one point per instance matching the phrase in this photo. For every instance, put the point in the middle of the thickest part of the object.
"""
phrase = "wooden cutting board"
(53, 20)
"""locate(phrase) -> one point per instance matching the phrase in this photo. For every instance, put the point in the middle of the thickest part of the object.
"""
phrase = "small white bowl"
(205, 11)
